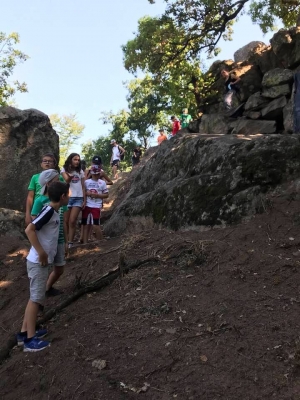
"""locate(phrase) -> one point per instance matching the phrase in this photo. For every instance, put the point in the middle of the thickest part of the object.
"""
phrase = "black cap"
(97, 160)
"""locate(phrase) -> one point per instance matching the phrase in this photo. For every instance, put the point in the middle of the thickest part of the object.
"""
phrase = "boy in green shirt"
(45, 178)
(185, 118)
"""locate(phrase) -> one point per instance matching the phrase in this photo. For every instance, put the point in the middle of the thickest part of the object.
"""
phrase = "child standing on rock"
(43, 236)
(73, 174)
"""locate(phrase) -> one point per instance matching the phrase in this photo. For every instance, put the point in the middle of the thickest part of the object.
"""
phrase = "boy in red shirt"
(175, 125)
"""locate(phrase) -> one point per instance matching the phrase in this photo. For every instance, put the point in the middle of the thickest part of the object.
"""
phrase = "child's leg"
(37, 277)
(30, 317)
(98, 232)
(72, 222)
(58, 269)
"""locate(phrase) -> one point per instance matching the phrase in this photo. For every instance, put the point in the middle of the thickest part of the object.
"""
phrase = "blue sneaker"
(34, 344)
(22, 336)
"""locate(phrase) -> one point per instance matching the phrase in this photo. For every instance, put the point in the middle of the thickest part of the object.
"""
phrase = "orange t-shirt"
(161, 138)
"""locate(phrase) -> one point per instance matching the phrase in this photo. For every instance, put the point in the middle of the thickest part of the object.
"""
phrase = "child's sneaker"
(21, 336)
(34, 344)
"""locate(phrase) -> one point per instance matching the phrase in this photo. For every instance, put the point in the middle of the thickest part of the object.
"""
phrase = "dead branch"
(93, 286)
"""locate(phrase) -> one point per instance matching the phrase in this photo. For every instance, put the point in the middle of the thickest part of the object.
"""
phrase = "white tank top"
(116, 153)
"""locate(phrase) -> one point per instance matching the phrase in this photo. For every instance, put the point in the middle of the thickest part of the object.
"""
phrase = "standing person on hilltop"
(48, 162)
(161, 137)
(73, 174)
(175, 125)
(231, 88)
(185, 118)
(137, 153)
(117, 155)
(42, 233)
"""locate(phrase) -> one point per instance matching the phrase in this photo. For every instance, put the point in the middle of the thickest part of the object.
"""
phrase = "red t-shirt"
(175, 127)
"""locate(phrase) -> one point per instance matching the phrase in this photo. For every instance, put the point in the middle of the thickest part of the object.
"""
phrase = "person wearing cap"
(96, 160)
(96, 190)
(116, 156)
(162, 137)
(45, 179)
(175, 125)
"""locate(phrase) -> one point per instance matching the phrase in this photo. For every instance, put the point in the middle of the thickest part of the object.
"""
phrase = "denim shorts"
(59, 259)
(75, 202)
(38, 276)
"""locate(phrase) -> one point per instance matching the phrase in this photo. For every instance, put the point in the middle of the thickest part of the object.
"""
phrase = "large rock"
(277, 91)
(288, 118)
(252, 127)
(24, 137)
(12, 223)
(286, 45)
(277, 76)
(264, 58)
(274, 109)
(206, 180)
(214, 124)
(244, 52)
(256, 102)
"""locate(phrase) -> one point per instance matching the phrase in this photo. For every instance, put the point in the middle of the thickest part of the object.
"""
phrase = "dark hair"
(68, 163)
(50, 155)
(57, 189)
(83, 165)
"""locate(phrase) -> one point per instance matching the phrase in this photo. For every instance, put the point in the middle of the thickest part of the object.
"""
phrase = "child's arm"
(106, 178)
(83, 191)
(67, 177)
(34, 241)
(29, 203)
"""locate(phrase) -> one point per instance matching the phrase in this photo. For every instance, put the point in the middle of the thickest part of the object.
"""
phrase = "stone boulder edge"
(24, 137)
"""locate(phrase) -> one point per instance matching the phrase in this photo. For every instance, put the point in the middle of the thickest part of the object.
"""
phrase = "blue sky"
(75, 63)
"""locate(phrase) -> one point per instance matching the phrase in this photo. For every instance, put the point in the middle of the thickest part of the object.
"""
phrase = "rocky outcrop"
(24, 137)
(203, 180)
(12, 223)
(244, 52)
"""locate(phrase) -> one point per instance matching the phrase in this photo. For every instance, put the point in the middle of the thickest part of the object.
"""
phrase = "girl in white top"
(74, 175)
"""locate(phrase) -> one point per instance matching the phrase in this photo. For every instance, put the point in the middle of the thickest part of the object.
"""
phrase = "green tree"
(69, 131)
(177, 83)
(9, 58)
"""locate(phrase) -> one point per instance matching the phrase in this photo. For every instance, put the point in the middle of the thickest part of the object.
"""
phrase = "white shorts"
(38, 276)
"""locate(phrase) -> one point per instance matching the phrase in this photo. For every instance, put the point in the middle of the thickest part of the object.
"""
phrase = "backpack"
(122, 155)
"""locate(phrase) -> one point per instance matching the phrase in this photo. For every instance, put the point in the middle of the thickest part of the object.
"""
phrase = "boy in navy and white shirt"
(96, 190)
(43, 236)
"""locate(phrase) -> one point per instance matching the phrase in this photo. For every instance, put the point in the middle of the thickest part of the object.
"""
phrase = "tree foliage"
(9, 58)
(69, 131)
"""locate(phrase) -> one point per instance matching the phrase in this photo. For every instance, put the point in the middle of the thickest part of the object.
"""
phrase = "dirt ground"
(214, 315)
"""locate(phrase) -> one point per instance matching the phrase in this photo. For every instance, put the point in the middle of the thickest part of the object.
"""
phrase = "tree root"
(93, 286)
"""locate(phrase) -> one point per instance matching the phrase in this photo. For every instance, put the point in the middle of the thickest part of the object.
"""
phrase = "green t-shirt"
(38, 205)
(185, 120)
(36, 187)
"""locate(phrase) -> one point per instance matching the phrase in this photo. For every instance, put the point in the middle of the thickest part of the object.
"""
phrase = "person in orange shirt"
(161, 136)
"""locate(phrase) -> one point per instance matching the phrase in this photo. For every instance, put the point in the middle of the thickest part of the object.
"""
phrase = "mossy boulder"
(203, 180)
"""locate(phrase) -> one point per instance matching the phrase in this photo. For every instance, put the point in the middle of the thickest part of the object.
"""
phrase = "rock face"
(244, 52)
(12, 223)
(24, 137)
(206, 180)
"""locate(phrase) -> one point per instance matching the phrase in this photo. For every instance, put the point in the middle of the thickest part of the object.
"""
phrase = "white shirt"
(116, 153)
(47, 229)
(98, 187)
(75, 183)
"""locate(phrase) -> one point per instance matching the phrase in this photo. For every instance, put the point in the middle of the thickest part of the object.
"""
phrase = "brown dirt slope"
(215, 316)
